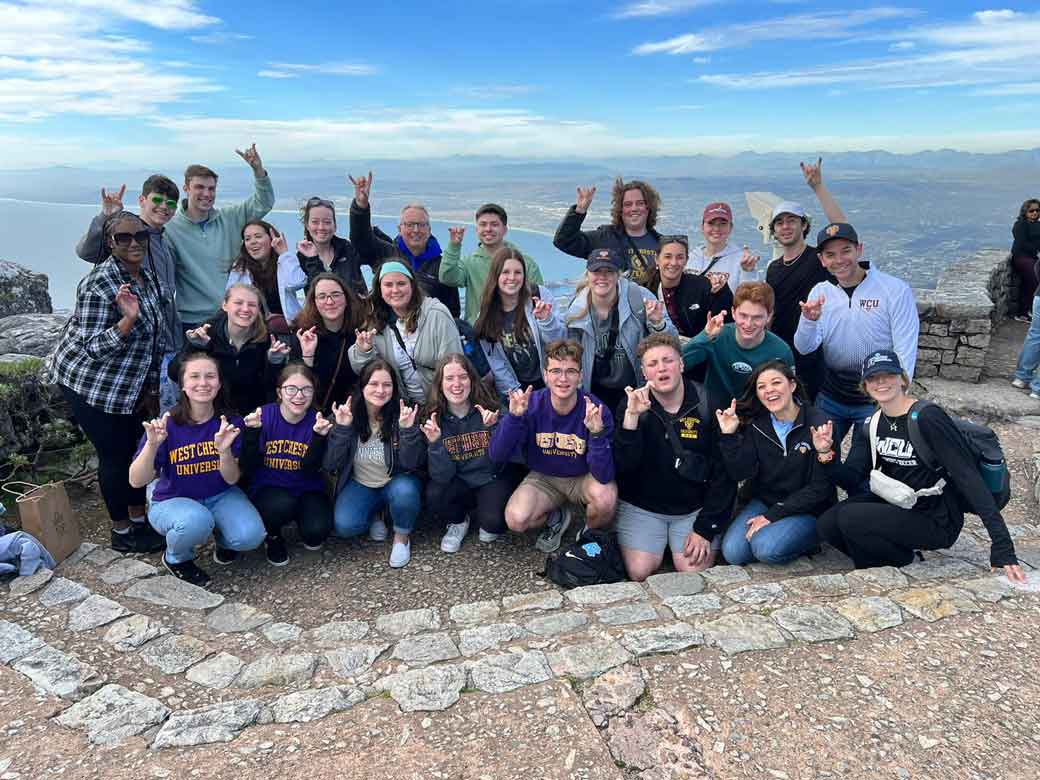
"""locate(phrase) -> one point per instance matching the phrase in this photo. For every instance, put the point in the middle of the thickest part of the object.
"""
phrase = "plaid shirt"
(92, 358)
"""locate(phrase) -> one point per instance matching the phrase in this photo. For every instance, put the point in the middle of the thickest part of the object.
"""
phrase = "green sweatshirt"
(203, 251)
(471, 272)
(729, 364)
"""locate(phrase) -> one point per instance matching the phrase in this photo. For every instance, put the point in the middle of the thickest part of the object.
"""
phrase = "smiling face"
(671, 260)
(1033, 211)
(132, 253)
(884, 387)
(396, 289)
(490, 230)
(716, 231)
(330, 300)
(321, 224)
(841, 257)
(662, 367)
(775, 391)
(751, 320)
(242, 308)
(634, 211)
(379, 390)
(511, 279)
(562, 377)
(456, 384)
(201, 192)
(200, 380)
(295, 396)
(415, 229)
(787, 229)
(156, 214)
(603, 282)
(257, 242)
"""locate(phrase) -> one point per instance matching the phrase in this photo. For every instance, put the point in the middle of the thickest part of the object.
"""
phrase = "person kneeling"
(194, 451)
(770, 445)
(564, 435)
(674, 490)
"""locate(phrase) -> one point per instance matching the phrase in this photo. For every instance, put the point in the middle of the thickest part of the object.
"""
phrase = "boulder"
(22, 291)
(29, 334)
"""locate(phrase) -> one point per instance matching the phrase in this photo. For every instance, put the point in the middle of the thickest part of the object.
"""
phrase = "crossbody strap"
(872, 426)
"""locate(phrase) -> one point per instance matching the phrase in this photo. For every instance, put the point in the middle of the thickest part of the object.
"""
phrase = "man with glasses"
(565, 436)
(158, 204)
(206, 239)
(415, 244)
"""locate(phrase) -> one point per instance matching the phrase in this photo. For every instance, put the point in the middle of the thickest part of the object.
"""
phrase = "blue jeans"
(356, 504)
(843, 416)
(779, 542)
(169, 391)
(1029, 357)
(186, 522)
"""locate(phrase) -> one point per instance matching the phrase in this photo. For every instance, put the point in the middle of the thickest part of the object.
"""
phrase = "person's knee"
(348, 522)
(518, 517)
(404, 495)
(600, 503)
(247, 533)
(737, 551)
(642, 566)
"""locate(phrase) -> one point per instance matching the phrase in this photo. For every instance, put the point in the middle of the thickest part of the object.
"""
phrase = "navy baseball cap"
(604, 258)
(837, 230)
(883, 361)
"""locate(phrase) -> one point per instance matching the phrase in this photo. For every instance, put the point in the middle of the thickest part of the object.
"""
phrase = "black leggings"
(115, 438)
(1024, 266)
(875, 533)
(447, 502)
(311, 511)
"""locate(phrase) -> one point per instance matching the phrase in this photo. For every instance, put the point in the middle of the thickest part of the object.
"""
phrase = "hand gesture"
(252, 420)
(813, 173)
(431, 429)
(718, 280)
(593, 417)
(755, 524)
(277, 349)
(112, 203)
(127, 302)
(342, 413)
(155, 430)
(362, 189)
(638, 400)
(748, 261)
(713, 327)
(697, 548)
(278, 243)
(518, 401)
(456, 234)
(812, 310)
(308, 341)
(199, 336)
(252, 156)
(364, 339)
(408, 413)
(728, 420)
(585, 197)
(823, 437)
(321, 425)
(542, 309)
(654, 311)
(487, 417)
(225, 435)
(1014, 572)
(306, 248)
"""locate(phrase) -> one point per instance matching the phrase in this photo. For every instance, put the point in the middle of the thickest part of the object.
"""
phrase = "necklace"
(793, 260)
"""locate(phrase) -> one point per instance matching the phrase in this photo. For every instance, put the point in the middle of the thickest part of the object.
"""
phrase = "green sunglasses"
(159, 200)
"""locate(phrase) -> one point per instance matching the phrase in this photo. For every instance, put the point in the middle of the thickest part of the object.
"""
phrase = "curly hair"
(617, 198)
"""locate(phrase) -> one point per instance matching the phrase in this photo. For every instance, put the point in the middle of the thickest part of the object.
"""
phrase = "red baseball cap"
(717, 211)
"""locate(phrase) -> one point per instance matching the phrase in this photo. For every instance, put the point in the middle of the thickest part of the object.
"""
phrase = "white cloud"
(292, 70)
(1003, 90)
(220, 37)
(163, 14)
(658, 8)
(902, 46)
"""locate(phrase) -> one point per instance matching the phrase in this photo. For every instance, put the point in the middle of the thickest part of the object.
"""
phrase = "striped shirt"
(92, 358)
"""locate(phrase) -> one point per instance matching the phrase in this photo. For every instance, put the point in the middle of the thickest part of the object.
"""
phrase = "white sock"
(139, 520)
(121, 530)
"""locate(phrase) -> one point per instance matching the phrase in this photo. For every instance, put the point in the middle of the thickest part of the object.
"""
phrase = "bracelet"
(825, 457)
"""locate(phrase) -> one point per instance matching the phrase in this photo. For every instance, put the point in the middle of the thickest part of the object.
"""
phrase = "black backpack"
(594, 559)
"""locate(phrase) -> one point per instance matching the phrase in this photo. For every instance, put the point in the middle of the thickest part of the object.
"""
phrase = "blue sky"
(150, 82)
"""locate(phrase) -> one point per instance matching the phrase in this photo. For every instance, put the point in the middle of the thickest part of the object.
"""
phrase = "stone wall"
(959, 315)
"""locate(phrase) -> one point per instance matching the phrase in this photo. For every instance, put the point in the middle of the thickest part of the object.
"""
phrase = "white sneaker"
(452, 540)
(377, 531)
(487, 537)
(1019, 384)
(555, 527)
(400, 554)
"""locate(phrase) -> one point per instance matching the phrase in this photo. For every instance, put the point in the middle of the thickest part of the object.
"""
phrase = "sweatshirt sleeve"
(91, 247)
(717, 512)
(314, 460)
(739, 454)
(697, 350)
(453, 267)
(442, 467)
(600, 456)
(250, 458)
(364, 239)
(906, 327)
(339, 446)
(534, 273)
(570, 238)
(508, 437)
(628, 450)
(413, 448)
(256, 206)
(809, 334)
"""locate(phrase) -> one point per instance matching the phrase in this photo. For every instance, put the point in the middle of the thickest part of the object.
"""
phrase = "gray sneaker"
(555, 527)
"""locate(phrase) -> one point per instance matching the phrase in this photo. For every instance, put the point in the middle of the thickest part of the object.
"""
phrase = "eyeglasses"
(159, 200)
(676, 239)
(329, 297)
(570, 373)
(290, 391)
(316, 201)
(1032, 211)
(415, 225)
(124, 239)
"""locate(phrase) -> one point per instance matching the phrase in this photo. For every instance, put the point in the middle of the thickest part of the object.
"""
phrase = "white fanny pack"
(889, 488)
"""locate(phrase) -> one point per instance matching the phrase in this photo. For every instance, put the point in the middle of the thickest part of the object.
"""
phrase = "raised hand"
(713, 327)
(306, 248)
(812, 310)
(638, 400)
(343, 413)
(199, 336)
(457, 234)
(518, 401)
(408, 413)
(277, 348)
(225, 435)
(431, 430)
(654, 311)
(823, 437)
(728, 420)
(542, 309)
(252, 157)
(127, 303)
(754, 525)
(748, 261)
(813, 173)
(321, 425)
(593, 416)
(308, 341)
(364, 339)
(112, 202)
(278, 242)
(155, 430)
(718, 280)
(487, 417)
(585, 196)
(362, 189)
(252, 420)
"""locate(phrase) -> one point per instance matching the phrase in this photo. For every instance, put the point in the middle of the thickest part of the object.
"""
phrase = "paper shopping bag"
(46, 513)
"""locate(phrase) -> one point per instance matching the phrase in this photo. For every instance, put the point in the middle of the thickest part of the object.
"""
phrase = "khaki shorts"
(560, 490)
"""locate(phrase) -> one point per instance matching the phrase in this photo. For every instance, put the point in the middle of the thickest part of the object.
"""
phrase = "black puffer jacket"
(346, 265)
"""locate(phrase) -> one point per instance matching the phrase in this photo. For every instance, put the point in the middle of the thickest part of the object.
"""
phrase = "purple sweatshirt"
(188, 463)
(553, 444)
(282, 447)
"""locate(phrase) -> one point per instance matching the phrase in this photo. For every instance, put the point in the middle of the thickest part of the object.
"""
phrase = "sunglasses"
(678, 239)
(124, 239)
(316, 201)
(159, 200)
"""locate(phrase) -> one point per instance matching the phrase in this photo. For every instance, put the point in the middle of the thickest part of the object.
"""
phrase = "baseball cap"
(717, 210)
(883, 361)
(836, 230)
(604, 258)
(787, 207)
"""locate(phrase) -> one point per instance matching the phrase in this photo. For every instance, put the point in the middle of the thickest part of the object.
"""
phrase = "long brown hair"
(389, 417)
(748, 405)
(379, 312)
(492, 316)
(309, 317)
(263, 272)
(181, 412)
(478, 391)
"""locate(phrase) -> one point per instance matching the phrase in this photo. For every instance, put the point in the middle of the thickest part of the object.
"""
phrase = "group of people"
(685, 398)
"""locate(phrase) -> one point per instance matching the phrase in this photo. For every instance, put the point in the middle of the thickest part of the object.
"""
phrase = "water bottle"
(992, 474)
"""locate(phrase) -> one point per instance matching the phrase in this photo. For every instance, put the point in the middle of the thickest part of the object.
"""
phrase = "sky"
(150, 82)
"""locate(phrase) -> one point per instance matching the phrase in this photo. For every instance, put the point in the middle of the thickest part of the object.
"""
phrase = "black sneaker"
(277, 555)
(123, 543)
(187, 571)
(147, 539)
(222, 556)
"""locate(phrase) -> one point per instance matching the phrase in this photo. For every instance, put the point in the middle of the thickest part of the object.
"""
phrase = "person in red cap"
(718, 255)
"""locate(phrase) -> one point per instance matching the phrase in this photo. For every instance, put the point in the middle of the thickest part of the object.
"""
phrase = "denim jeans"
(779, 542)
(1029, 357)
(169, 391)
(356, 504)
(187, 522)
(844, 416)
